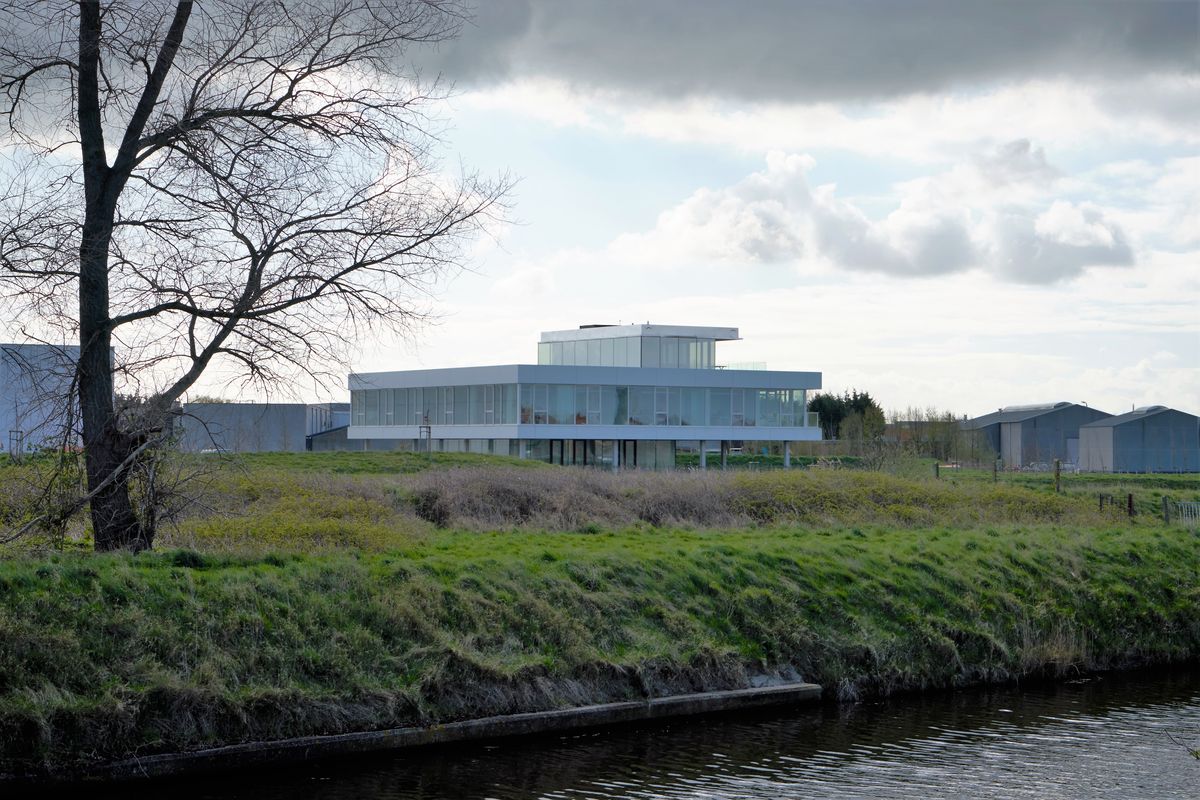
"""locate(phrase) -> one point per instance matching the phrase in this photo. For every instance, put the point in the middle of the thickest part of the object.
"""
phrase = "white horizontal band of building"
(622, 376)
(627, 432)
(619, 331)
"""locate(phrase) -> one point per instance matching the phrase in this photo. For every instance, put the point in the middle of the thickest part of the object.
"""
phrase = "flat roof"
(563, 374)
(588, 332)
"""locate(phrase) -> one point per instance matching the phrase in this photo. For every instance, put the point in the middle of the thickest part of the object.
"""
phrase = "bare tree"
(243, 182)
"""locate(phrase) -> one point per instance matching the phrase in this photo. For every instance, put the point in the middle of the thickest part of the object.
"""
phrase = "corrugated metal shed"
(250, 427)
(36, 403)
(1032, 434)
(1147, 439)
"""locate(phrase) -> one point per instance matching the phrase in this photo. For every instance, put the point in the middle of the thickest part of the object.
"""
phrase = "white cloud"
(1076, 226)
(995, 213)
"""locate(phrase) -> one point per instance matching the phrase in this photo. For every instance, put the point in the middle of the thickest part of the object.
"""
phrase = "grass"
(294, 601)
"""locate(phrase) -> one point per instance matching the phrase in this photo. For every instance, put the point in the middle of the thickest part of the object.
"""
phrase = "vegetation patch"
(289, 600)
(102, 657)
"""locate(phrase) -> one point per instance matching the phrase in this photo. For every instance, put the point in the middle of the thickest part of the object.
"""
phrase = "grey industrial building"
(1148, 439)
(35, 393)
(1024, 435)
(255, 427)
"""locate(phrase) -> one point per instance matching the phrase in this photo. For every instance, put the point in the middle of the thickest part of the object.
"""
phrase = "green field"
(295, 600)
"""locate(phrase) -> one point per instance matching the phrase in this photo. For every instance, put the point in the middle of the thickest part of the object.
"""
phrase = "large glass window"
(641, 405)
(593, 405)
(633, 352)
(619, 348)
(400, 412)
(718, 407)
(593, 353)
(673, 398)
(569, 404)
(509, 404)
(527, 404)
(541, 404)
(562, 405)
(768, 407)
(476, 396)
(581, 405)
(661, 404)
(606, 352)
(614, 405)
(670, 352)
(544, 353)
(693, 409)
(431, 410)
(462, 405)
(650, 345)
(372, 407)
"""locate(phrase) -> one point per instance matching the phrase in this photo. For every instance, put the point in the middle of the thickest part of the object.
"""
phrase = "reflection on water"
(1104, 738)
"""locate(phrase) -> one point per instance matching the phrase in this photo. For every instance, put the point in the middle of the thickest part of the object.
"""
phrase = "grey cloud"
(819, 49)
(1025, 256)
(1016, 161)
(774, 217)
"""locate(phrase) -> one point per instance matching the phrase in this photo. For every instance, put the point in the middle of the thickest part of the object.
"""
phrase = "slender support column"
(703, 455)
(724, 454)
(787, 454)
(616, 454)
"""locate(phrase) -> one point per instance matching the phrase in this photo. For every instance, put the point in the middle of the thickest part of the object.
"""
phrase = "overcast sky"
(955, 204)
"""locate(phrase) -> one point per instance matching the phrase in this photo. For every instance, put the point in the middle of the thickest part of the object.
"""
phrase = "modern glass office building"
(603, 395)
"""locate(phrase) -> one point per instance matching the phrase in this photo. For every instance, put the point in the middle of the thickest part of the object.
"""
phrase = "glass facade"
(676, 352)
(486, 404)
(571, 404)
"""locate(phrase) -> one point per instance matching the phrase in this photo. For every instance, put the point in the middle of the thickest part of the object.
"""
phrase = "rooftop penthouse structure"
(602, 395)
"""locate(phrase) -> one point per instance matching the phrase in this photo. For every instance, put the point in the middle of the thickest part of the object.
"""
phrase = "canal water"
(1109, 737)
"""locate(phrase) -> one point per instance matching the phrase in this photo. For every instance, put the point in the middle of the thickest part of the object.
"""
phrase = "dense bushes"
(483, 499)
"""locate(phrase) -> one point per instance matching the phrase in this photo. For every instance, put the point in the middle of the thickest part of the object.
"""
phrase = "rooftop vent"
(1149, 409)
(1038, 407)
(597, 325)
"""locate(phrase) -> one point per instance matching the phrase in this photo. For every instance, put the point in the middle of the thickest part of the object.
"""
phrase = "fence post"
(994, 470)
(1129, 505)
(1166, 510)
(1057, 474)
(937, 470)
(1101, 501)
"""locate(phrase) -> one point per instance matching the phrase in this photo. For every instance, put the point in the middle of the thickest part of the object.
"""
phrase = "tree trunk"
(105, 446)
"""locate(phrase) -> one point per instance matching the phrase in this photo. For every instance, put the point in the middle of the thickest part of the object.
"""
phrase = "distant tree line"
(938, 434)
(850, 415)
(856, 418)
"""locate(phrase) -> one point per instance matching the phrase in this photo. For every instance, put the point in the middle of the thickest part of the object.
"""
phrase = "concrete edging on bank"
(287, 751)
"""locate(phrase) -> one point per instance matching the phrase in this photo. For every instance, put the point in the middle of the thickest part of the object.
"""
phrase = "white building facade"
(602, 395)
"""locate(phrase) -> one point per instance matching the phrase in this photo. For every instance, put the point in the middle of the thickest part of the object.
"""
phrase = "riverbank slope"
(104, 657)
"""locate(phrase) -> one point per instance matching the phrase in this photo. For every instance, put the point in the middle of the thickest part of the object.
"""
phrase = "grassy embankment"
(309, 603)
